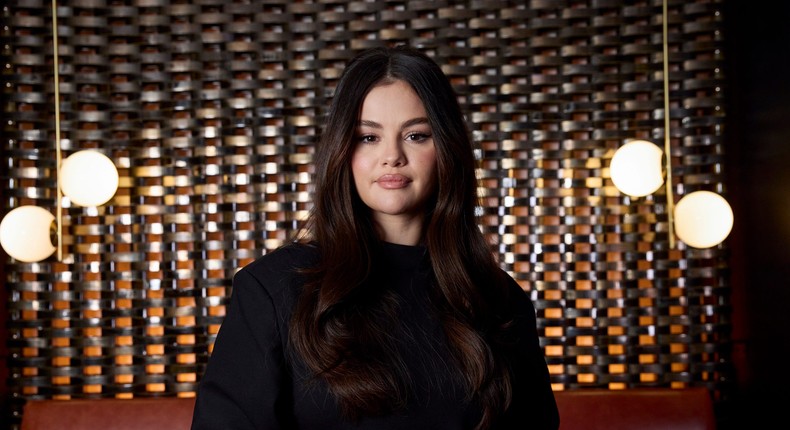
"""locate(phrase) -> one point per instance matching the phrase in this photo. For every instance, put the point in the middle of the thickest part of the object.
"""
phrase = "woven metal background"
(210, 109)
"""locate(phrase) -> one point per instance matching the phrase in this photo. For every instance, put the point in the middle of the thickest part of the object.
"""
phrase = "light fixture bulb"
(88, 178)
(25, 233)
(703, 219)
(636, 168)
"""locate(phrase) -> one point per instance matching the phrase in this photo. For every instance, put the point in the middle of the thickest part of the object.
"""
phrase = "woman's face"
(394, 160)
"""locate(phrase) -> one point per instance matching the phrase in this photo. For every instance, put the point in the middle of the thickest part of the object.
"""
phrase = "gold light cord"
(670, 198)
(55, 61)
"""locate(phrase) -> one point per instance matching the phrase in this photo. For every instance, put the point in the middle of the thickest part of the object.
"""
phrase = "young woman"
(390, 312)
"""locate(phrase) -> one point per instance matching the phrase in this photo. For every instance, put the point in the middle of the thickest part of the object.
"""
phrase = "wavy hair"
(470, 285)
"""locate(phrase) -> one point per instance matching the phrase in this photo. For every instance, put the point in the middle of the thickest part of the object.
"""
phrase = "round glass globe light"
(636, 168)
(703, 219)
(88, 178)
(25, 233)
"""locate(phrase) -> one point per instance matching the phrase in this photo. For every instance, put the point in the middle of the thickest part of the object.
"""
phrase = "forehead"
(392, 98)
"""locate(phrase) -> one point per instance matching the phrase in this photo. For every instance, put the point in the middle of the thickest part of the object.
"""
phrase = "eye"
(366, 138)
(418, 137)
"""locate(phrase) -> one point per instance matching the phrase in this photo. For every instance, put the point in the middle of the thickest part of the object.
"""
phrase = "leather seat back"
(172, 413)
(636, 409)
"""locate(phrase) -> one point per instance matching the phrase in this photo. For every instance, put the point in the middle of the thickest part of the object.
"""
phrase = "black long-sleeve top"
(252, 381)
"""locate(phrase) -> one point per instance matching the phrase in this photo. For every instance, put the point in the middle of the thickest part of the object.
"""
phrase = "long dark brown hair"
(324, 333)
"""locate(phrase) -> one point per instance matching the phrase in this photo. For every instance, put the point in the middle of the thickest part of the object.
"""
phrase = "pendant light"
(87, 178)
(636, 168)
(701, 219)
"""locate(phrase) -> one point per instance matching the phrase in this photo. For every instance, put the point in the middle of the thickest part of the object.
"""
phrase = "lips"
(393, 182)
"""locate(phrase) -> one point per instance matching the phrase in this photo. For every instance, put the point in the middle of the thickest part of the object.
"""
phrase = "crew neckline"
(403, 257)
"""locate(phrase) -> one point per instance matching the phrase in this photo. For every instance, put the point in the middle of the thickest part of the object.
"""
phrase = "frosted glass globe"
(703, 219)
(88, 178)
(636, 168)
(25, 233)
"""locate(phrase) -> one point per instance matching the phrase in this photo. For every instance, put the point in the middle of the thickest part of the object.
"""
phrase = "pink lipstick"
(393, 182)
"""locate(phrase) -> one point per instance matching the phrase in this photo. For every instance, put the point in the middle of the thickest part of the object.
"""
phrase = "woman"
(390, 312)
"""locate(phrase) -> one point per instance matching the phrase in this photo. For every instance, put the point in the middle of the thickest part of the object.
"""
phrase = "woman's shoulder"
(289, 256)
(281, 268)
(517, 297)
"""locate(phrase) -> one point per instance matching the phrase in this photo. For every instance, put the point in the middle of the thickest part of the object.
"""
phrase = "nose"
(393, 155)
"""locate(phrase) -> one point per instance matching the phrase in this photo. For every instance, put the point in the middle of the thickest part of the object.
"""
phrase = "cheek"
(360, 166)
(429, 164)
(356, 164)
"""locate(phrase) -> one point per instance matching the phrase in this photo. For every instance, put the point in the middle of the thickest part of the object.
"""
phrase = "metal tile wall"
(210, 110)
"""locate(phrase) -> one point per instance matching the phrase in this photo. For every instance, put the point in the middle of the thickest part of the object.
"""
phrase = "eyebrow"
(407, 124)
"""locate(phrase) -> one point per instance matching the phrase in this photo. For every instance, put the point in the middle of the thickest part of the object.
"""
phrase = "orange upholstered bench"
(142, 413)
(583, 409)
(636, 409)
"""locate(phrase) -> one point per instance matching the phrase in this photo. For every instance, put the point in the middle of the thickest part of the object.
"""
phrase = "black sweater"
(251, 382)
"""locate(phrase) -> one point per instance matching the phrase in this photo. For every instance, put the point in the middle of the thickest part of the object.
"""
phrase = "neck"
(400, 231)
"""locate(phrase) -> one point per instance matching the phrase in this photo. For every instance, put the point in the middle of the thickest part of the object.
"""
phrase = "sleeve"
(246, 384)
(533, 405)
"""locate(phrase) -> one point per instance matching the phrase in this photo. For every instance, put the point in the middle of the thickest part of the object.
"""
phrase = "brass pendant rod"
(667, 146)
(56, 78)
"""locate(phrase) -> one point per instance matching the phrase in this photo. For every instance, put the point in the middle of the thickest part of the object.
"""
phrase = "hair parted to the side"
(468, 282)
